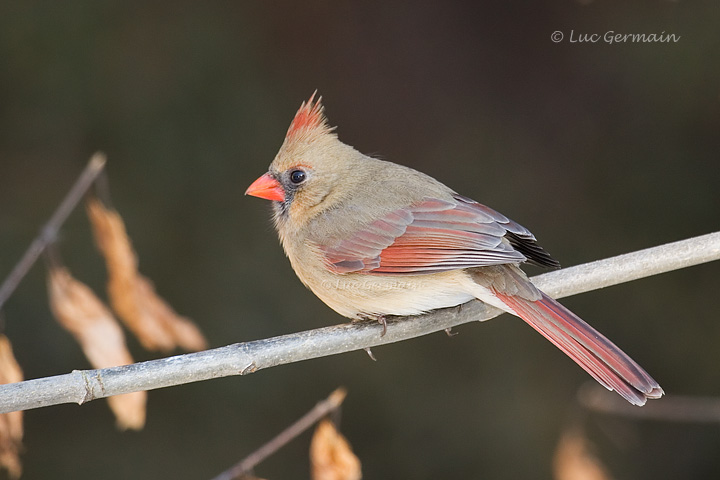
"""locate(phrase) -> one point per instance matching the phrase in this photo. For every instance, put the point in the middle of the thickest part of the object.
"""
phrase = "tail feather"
(597, 355)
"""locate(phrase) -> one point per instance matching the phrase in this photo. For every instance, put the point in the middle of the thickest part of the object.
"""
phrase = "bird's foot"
(377, 318)
(370, 354)
(449, 332)
(382, 321)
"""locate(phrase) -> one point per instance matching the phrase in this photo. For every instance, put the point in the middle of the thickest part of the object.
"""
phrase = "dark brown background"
(599, 149)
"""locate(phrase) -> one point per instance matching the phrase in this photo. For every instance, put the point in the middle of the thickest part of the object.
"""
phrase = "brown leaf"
(184, 332)
(573, 459)
(331, 457)
(102, 340)
(132, 296)
(129, 410)
(11, 424)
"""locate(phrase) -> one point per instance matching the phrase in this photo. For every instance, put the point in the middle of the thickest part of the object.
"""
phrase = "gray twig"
(48, 233)
(673, 408)
(247, 464)
(243, 358)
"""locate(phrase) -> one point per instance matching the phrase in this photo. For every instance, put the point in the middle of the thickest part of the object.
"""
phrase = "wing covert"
(435, 236)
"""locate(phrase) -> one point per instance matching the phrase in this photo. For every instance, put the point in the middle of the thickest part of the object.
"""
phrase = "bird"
(372, 238)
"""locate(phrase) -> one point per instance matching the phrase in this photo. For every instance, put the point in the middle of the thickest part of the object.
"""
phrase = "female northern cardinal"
(373, 238)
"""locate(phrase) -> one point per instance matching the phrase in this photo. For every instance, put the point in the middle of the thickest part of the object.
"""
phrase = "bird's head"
(310, 172)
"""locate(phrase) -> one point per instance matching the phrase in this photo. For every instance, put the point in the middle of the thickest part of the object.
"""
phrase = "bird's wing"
(435, 236)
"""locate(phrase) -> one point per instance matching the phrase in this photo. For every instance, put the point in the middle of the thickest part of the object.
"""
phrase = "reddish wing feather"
(431, 236)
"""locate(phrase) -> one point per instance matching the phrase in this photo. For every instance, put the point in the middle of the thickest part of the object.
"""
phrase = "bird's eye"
(297, 176)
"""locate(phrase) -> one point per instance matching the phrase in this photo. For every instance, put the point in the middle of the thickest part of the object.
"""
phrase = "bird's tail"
(597, 355)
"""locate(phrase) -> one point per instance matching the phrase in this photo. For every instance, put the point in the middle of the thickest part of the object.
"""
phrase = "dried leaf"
(129, 410)
(11, 424)
(331, 457)
(102, 340)
(574, 461)
(133, 297)
(184, 332)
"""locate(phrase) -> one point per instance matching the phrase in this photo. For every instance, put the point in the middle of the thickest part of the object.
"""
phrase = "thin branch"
(283, 438)
(673, 408)
(630, 266)
(48, 233)
(81, 386)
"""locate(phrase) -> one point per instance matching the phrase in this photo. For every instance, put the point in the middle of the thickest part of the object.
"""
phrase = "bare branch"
(49, 232)
(673, 408)
(81, 386)
(630, 266)
(320, 410)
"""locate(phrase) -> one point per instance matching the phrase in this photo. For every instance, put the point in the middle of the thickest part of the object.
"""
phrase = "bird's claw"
(382, 321)
(378, 318)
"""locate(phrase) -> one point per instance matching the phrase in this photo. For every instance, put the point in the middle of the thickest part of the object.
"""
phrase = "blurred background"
(600, 149)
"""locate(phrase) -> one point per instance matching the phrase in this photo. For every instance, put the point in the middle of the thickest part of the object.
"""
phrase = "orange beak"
(266, 187)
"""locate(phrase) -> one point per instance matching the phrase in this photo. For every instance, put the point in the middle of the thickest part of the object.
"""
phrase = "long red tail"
(597, 355)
